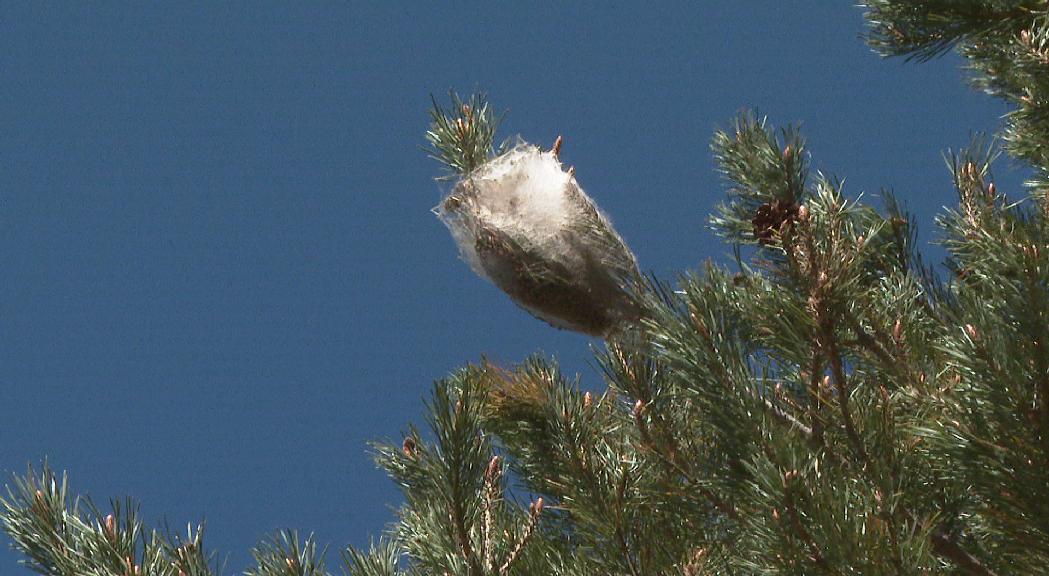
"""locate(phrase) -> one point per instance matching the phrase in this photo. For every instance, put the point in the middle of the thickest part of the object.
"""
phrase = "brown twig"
(841, 384)
(944, 546)
(871, 344)
(462, 537)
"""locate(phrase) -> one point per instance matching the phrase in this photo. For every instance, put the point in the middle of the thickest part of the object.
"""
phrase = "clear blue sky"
(221, 275)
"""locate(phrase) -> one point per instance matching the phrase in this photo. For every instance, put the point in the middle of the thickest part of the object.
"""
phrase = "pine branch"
(65, 535)
(842, 387)
(798, 527)
(535, 510)
(380, 560)
(766, 172)
(462, 137)
(948, 548)
(927, 29)
(287, 555)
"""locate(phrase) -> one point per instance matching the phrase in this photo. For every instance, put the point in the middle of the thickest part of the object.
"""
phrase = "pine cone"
(770, 217)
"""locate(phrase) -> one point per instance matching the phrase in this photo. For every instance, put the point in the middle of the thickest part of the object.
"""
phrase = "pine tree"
(828, 405)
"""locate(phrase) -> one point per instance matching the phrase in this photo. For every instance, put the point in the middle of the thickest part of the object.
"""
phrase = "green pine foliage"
(64, 535)
(461, 137)
(830, 405)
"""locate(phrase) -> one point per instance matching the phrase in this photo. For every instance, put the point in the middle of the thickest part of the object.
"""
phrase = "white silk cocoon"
(522, 221)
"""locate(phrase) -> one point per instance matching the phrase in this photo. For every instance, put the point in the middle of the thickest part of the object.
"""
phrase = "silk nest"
(523, 222)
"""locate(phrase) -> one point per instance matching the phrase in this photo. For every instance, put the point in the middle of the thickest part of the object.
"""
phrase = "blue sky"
(221, 274)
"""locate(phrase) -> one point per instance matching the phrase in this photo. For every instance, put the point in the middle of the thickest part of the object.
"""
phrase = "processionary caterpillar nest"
(523, 222)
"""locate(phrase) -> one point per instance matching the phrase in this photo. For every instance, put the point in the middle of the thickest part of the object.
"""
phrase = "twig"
(841, 385)
(624, 548)
(534, 511)
(491, 481)
(815, 401)
(871, 344)
(944, 546)
(671, 457)
(788, 418)
(799, 528)
(463, 538)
